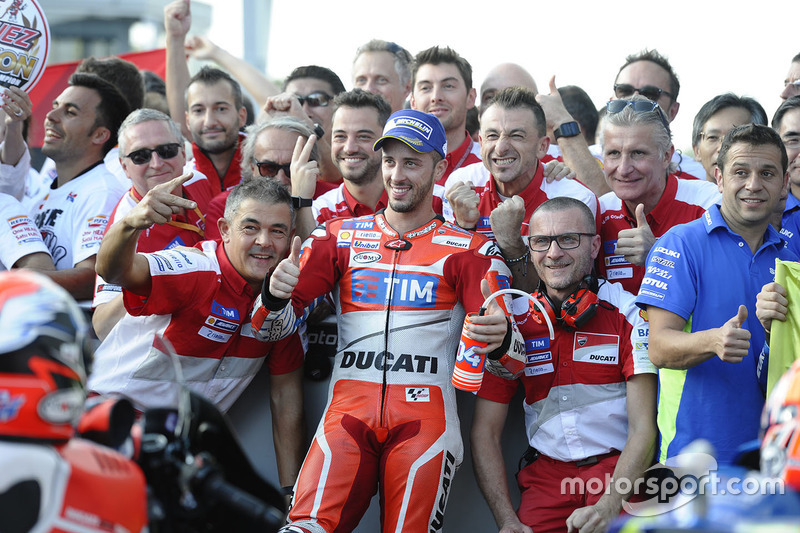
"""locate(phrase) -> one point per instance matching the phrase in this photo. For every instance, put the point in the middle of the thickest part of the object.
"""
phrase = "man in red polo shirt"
(499, 203)
(152, 152)
(441, 84)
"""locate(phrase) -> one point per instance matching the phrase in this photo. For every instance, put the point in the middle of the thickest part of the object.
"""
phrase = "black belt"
(532, 454)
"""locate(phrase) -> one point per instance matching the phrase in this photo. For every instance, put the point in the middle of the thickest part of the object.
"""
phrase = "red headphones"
(576, 310)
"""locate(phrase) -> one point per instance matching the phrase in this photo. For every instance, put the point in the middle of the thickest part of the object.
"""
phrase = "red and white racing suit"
(391, 416)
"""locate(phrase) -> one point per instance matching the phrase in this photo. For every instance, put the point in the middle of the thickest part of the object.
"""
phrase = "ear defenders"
(577, 309)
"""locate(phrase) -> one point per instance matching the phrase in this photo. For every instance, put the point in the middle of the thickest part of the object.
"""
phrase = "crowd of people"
(230, 228)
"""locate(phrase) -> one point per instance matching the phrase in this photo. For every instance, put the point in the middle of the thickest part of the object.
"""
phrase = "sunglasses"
(270, 169)
(639, 106)
(143, 156)
(624, 90)
(317, 99)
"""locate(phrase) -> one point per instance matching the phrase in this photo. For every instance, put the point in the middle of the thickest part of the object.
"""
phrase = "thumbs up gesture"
(635, 243)
(286, 274)
(734, 341)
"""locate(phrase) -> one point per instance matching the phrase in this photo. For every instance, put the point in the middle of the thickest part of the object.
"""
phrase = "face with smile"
(441, 91)
(321, 115)
(790, 135)
(635, 168)
(409, 176)
(713, 131)
(212, 117)
(355, 131)
(511, 147)
(375, 72)
(752, 183)
(562, 270)
(69, 127)
(257, 238)
(150, 134)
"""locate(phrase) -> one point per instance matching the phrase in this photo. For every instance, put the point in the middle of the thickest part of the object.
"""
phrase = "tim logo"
(220, 310)
(417, 394)
(357, 224)
(532, 345)
(406, 289)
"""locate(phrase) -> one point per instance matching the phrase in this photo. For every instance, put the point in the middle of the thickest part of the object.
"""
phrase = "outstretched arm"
(177, 22)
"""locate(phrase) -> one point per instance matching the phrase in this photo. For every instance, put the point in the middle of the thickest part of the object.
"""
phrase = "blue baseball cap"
(422, 132)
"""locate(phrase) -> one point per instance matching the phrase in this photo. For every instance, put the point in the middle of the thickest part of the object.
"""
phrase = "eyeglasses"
(639, 106)
(317, 99)
(651, 92)
(565, 241)
(142, 156)
(712, 138)
(270, 169)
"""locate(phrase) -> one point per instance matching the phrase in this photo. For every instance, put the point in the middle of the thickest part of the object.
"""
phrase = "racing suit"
(391, 416)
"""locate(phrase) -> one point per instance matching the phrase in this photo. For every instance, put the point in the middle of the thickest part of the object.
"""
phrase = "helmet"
(780, 422)
(43, 343)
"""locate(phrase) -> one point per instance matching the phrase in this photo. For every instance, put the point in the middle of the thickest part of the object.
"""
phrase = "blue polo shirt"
(790, 223)
(702, 271)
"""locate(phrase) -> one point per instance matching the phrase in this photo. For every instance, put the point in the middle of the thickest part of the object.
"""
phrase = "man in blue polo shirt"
(700, 294)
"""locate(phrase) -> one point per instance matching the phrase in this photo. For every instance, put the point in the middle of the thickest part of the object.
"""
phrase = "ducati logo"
(582, 340)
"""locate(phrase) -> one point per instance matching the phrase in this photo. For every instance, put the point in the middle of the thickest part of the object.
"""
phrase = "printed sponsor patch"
(213, 335)
(108, 287)
(660, 272)
(614, 260)
(666, 263)
(538, 357)
(658, 284)
(667, 252)
(532, 345)
(595, 348)
(367, 257)
(651, 294)
(456, 242)
(10, 405)
(418, 394)
(369, 245)
(358, 224)
(224, 312)
(422, 231)
(224, 325)
(368, 235)
(619, 273)
(539, 369)
(410, 290)
(99, 221)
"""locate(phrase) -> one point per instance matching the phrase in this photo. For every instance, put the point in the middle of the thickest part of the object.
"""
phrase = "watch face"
(568, 129)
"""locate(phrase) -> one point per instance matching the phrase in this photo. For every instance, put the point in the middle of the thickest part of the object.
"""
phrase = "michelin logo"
(408, 122)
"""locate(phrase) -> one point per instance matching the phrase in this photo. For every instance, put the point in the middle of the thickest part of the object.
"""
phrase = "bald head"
(503, 76)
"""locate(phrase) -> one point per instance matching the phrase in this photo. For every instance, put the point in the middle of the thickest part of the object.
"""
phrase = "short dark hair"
(655, 57)
(436, 55)
(564, 203)
(725, 101)
(153, 83)
(318, 73)
(112, 109)
(124, 75)
(265, 191)
(785, 107)
(754, 135)
(211, 76)
(359, 98)
(582, 109)
(520, 98)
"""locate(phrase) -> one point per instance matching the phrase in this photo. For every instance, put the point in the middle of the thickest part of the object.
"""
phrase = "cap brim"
(408, 142)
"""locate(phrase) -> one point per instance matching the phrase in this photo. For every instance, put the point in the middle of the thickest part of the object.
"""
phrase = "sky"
(714, 47)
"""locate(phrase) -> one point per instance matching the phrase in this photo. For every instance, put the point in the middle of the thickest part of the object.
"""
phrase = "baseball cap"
(422, 132)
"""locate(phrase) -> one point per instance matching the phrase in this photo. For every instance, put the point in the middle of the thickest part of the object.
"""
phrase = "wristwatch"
(567, 129)
(299, 203)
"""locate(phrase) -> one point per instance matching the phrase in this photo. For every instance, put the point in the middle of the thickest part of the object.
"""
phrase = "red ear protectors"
(575, 311)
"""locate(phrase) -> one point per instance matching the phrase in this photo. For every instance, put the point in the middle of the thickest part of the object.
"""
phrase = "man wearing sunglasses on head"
(307, 95)
(650, 74)
(646, 199)
(151, 153)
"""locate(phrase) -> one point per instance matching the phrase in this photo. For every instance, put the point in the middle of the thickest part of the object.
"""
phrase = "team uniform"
(339, 203)
(535, 194)
(233, 175)
(682, 201)
(702, 272)
(18, 234)
(790, 223)
(183, 230)
(201, 304)
(72, 218)
(468, 153)
(391, 416)
(575, 402)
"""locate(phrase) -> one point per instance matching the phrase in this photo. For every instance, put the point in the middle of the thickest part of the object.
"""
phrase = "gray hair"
(627, 118)
(146, 115)
(265, 191)
(403, 60)
(285, 123)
